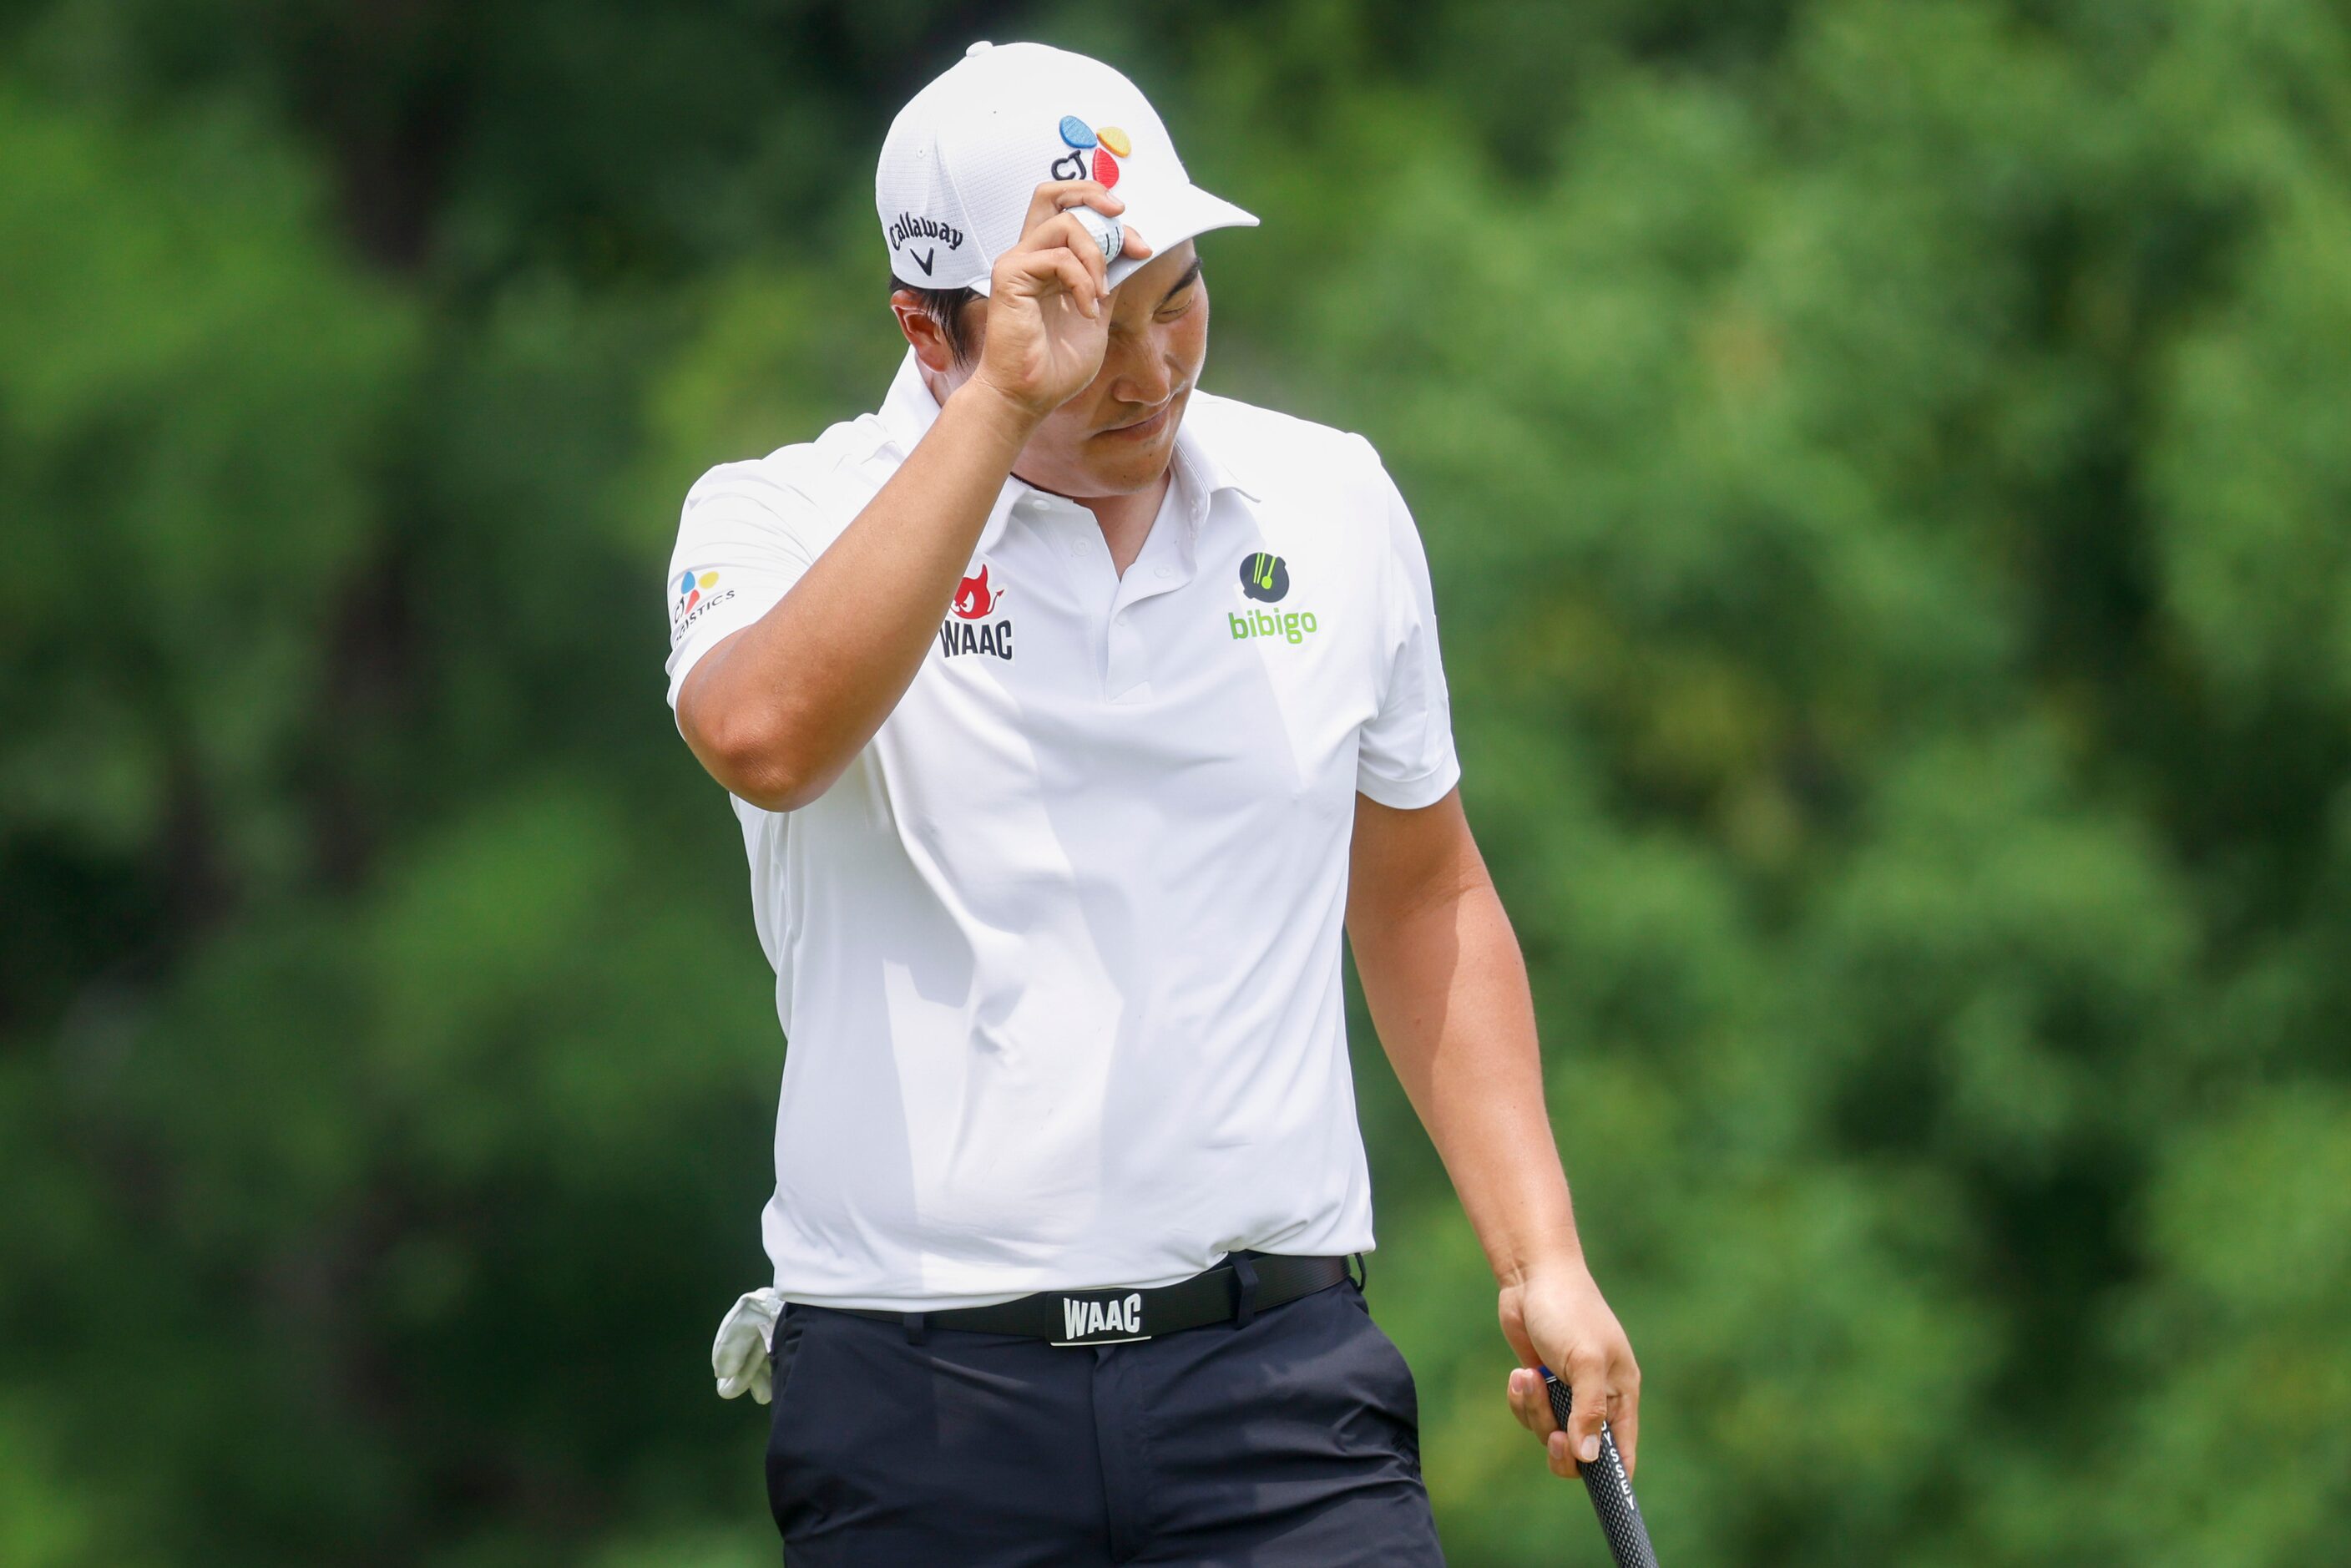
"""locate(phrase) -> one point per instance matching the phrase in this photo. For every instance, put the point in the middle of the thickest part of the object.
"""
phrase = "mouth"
(1144, 428)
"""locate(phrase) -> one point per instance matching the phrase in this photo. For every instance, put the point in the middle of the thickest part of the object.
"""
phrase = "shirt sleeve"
(744, 538)
(1405, 755)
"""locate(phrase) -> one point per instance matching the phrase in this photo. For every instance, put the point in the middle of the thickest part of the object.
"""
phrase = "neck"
(1125, 520)
(1132, 512)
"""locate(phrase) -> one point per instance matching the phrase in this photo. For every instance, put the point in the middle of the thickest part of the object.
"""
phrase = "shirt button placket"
(1130, 665)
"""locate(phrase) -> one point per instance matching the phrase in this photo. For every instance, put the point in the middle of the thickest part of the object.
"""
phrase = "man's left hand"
(1558, 1319)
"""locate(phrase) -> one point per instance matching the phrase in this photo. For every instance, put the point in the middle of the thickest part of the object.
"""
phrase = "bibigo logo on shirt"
(1265, 580)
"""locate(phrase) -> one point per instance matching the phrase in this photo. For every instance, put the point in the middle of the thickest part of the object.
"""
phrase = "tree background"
(1884, 468)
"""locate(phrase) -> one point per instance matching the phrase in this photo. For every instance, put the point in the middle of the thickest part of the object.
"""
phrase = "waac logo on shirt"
(968, 629)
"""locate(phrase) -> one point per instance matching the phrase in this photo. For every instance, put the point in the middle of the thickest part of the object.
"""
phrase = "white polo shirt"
(1058, 956)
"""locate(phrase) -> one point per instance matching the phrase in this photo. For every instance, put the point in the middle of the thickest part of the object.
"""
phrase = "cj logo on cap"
(1108, 143)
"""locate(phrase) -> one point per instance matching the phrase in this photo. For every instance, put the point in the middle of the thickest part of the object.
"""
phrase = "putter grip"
(1610, 1487)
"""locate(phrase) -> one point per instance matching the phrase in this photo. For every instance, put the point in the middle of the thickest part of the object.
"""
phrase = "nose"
(1145, 373)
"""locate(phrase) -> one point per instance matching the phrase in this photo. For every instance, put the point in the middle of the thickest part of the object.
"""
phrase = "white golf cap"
(965, 154)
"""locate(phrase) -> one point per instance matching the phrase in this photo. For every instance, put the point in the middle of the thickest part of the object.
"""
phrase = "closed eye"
(1170, 306)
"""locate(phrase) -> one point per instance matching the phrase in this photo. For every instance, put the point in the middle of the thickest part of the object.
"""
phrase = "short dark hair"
(945, 306)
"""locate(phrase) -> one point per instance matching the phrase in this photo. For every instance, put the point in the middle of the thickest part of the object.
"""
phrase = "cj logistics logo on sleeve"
(1265, 580)
(693, 593)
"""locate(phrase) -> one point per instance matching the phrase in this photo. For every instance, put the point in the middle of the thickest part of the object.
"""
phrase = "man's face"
(1114, 437)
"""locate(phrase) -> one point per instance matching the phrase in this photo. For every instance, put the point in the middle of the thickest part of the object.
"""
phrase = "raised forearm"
(778, 710)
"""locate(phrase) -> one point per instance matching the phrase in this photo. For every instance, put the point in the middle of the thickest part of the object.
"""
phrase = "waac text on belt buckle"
(1103, 1319)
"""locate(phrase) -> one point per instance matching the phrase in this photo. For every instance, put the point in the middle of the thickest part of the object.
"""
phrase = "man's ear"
(928, 338)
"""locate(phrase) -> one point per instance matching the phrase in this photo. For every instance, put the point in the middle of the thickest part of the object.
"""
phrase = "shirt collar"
(908, 410)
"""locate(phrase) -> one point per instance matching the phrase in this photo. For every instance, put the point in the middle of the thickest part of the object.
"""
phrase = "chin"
(1123, 470)
(1131, 471)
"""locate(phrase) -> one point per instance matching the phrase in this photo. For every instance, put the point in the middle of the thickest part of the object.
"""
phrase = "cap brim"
(1169, 219)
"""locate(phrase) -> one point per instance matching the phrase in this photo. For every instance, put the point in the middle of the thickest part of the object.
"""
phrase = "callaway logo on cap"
(967, 153)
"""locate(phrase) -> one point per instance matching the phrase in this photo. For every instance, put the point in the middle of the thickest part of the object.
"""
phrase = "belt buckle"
(1103, 1319)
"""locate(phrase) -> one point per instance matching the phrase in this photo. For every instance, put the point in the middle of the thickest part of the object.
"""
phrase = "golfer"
(1071, 712)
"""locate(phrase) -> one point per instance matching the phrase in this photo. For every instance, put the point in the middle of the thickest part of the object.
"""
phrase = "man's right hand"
(1046, 327)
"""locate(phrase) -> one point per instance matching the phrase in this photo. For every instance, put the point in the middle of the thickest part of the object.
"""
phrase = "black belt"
(1235, 1291)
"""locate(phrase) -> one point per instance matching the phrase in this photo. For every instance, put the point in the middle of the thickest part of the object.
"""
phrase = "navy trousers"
(1292, 1440)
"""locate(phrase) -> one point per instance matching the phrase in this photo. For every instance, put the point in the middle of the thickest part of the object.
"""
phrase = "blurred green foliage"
(1887, 476)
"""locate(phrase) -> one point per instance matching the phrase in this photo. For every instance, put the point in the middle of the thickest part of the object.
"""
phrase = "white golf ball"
(1108, 232)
